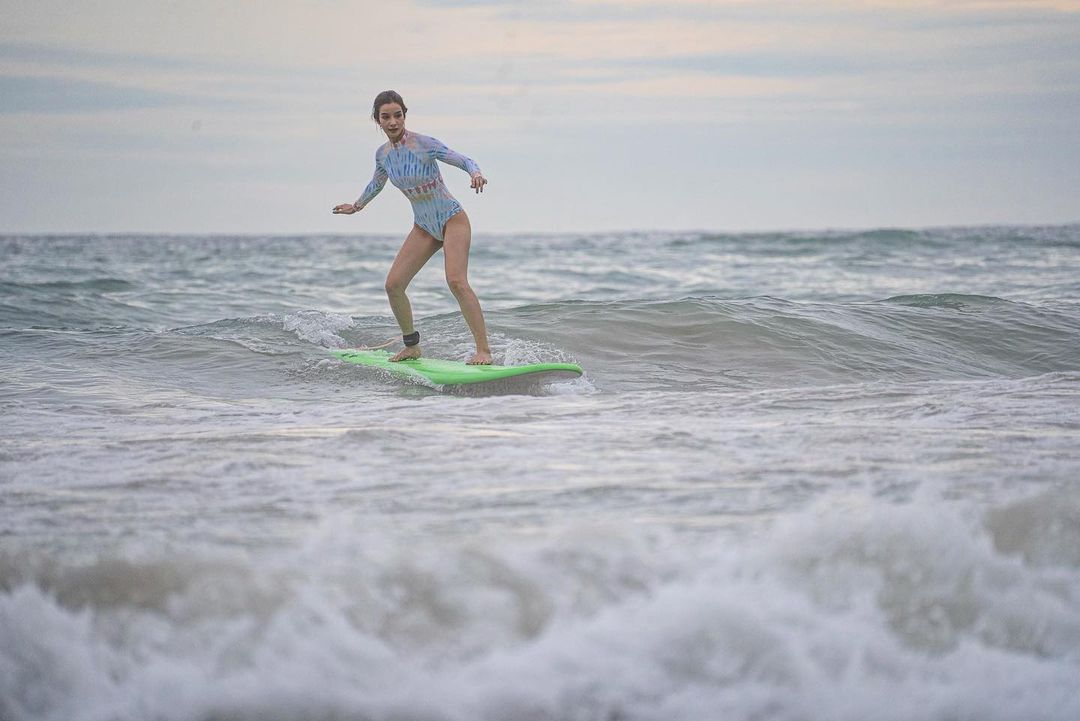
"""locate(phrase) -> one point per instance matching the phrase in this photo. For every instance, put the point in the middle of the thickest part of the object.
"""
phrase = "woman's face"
(392, 120)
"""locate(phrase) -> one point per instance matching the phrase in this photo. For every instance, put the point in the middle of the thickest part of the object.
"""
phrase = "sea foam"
(844, 611)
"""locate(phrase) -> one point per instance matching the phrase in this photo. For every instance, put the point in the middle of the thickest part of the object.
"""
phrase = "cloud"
(970, 5)
(21, 94)
(201, 93)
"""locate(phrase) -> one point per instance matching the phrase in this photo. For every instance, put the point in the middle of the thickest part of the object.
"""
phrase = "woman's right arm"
(377, 182)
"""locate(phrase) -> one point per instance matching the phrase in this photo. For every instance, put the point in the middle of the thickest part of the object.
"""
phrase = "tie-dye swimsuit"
(410, 165)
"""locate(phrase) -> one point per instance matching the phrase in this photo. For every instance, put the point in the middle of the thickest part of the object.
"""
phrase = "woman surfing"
(408, 159)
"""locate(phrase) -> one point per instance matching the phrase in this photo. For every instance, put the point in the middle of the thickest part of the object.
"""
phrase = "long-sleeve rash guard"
(410, 165)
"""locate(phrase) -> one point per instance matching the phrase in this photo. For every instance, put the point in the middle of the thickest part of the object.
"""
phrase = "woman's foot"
(409, 352)
(481, 358)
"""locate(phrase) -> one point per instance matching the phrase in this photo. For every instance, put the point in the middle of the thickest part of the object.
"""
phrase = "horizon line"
(487, 233)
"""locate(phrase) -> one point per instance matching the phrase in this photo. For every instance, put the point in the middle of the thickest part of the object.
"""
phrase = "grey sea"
(815, 475)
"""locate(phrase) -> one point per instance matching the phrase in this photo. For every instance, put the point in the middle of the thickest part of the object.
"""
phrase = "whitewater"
(806, 475)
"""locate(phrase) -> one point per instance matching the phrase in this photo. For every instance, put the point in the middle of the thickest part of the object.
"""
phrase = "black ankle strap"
(412, 338)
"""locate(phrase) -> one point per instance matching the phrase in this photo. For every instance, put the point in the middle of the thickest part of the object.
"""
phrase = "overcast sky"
(586, 115)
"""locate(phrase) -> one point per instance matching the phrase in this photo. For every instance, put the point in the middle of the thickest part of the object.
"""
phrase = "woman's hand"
(478, 183)
(344, 209)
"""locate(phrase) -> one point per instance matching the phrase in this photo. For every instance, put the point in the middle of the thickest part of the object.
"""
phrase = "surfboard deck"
(452, 373)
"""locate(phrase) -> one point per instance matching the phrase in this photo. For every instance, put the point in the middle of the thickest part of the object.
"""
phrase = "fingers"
(478, 183)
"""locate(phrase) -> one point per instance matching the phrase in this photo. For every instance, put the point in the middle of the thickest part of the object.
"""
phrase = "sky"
(244, 117)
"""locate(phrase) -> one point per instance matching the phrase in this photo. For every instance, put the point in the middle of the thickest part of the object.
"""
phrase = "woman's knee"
(394, 285)
(458, 284)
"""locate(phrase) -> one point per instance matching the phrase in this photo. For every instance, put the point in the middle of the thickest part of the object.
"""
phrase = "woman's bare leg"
(417, 249)
(457, 237)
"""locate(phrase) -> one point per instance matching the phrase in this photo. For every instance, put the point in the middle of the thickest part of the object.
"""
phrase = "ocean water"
(820, 475)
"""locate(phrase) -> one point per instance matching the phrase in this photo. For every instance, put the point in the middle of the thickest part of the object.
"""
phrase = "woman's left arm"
(452, 157)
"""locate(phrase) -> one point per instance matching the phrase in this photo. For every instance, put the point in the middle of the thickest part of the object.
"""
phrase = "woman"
(408, 160)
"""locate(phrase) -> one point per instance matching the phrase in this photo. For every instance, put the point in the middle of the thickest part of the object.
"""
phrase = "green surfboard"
(453, 373)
